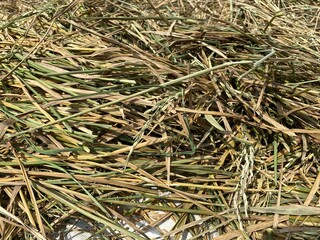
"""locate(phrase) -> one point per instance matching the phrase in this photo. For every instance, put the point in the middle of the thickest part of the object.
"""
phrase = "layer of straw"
(114, 110)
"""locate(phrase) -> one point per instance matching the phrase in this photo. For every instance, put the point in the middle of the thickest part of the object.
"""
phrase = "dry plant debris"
(111, 110)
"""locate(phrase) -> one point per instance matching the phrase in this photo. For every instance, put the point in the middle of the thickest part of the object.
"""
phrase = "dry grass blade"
(94, 217)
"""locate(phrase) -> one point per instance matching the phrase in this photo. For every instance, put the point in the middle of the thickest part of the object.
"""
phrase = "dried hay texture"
(111, 110)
